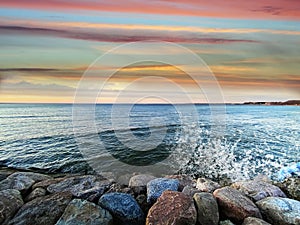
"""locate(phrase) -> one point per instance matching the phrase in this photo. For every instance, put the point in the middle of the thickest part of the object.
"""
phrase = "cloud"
(123, 35)
(266, 9)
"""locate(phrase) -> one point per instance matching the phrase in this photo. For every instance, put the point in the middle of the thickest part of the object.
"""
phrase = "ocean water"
(251, 139)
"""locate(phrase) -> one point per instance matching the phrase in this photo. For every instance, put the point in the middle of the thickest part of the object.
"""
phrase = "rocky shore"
(30, 198)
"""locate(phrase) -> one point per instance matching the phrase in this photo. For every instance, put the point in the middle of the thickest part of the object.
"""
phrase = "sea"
(232, 141)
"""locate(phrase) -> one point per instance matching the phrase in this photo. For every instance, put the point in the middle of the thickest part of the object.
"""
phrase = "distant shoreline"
(286, 103)
(290, 102)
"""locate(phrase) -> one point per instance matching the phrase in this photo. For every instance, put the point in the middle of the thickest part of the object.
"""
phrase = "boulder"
(123, 208)
(235, 205)
(156, 187)
(45, 183)
(172, 208)
(291, 187)
(206, 185)
(277, 210)
(254, 221)
(258, 190)
(22, 181)
(184, 180)
(87, 187)
(10, 202)
(226, 222)
(82, 212)
(139, 182)
(5, 172)
(38, 192)
(190, 191)
(43, 210)
(207, 209)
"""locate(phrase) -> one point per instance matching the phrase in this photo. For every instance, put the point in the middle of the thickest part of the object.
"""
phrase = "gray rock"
(283, 211)
(139, 182)
(45, 183)
(82, 212)
(22, 181)
(43, 210)
(207, 185)
(226, 222)
(38, 192)
(86, 187)
(254, 221)
(156, 187)
(123, 208)
(172, 208)
(5, 172)
(190, 191)
(207, 209)
(235, 205)
(10, 202)
(258, 190)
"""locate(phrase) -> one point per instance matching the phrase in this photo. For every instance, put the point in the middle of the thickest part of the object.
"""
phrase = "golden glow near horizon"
(253, 51)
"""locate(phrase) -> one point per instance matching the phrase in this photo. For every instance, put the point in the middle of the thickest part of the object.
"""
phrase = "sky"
(250, 48)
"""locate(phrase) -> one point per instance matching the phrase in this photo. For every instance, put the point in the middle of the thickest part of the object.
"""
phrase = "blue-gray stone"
(277, 210)
(156, 187)
(123, 208)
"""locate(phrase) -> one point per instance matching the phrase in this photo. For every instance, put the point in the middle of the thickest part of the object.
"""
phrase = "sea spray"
(200, 153)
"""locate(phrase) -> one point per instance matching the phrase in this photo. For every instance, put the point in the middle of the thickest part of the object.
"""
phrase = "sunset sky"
(251, 47)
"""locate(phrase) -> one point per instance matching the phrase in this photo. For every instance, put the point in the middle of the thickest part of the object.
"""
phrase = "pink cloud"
(263, 9)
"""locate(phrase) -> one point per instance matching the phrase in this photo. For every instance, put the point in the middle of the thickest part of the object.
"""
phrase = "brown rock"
(42, 211)
(172, 208)
(258, 190)
(234, 205)
(207, 185)
(254, 221)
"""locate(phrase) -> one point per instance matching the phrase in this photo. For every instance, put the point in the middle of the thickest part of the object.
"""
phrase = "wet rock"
(142, 201)
(123, 208)
(10, 202)
(226, 222)
(45, 183)
(283, 211)
(139, 182)
(207, 209)
(291, 186)
(43, 210)
(157, 186)
(82, 212)
(254, 221)
(22, 181)
(123, 180)
(207, 185)
(190, 191)
(5, 172)
(85, 187)
(184, 180)
(38, 192)
(234, 205)
(172, 208)
(118, 188)
(257, 190)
